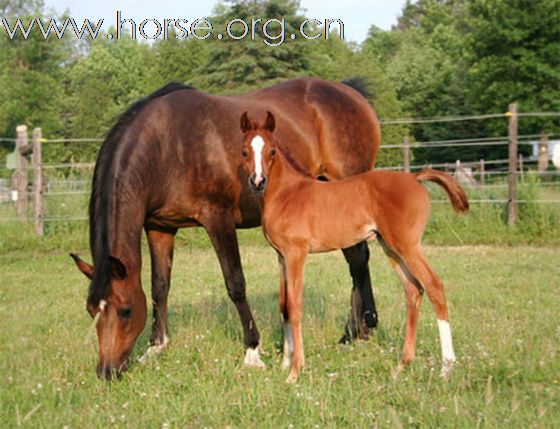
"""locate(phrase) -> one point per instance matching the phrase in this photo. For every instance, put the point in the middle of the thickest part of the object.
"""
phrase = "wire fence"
(59, 192)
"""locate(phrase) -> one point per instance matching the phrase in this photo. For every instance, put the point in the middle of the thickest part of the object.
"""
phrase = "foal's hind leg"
(161, 253)
(413, 298)
(420, 270)
(363, 314)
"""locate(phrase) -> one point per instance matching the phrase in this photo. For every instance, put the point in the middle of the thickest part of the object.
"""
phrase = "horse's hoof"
(151, 352)
(286, 362)
(253, 359)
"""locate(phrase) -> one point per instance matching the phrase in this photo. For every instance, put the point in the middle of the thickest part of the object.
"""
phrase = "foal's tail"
(456, 193)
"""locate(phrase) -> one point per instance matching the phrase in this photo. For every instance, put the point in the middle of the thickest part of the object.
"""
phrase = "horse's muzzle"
(109, 372)
(257, 187)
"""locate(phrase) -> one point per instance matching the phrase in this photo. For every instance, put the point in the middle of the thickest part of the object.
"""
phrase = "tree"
(99, 87)
(176, 60)
(513, 51)
(30, 75)
(239, 65)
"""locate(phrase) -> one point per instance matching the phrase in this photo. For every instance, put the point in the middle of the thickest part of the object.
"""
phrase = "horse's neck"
(121, 228)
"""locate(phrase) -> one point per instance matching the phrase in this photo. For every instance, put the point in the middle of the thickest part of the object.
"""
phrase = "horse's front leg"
(363, 313)
(288, 339)
(294, 306)
(221, 229)
(161, 253)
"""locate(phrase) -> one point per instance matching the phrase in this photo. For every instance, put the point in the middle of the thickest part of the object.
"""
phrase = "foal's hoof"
(153, 350)
(292, 378)
(446, 368)
(253, 359)
(286, 362)
(396, 372)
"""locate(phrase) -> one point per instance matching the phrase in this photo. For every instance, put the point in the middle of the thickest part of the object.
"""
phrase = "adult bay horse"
(173, 160)
(390, 206)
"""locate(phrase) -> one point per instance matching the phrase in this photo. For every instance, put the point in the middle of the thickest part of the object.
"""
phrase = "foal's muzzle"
(257, 187)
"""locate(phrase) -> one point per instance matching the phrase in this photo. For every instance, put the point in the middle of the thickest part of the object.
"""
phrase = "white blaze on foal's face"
(257, 144)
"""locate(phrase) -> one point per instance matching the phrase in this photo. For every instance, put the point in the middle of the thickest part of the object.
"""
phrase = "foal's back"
(339, 214)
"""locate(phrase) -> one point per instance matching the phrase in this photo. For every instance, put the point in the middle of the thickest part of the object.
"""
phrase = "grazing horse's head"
(258, 149)
(120, 315)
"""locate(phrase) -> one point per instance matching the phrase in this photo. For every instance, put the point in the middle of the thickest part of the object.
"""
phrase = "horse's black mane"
(101, 206)
(360, 84)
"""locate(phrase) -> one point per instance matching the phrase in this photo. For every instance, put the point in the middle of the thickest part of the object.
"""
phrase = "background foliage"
(443, 57)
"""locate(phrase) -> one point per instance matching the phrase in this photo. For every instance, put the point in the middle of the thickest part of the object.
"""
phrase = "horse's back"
(336, 119)
(191, 144)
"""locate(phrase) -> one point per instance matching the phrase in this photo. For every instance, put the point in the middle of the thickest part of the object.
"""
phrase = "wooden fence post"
(543, 153)
(482, 173)
(21, 169)
(406, 144)
(512, 170)
(38, 182)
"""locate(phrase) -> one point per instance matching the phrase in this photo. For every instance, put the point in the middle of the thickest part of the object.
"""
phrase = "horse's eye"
(272, 152)
(245, 153)
(124, 313)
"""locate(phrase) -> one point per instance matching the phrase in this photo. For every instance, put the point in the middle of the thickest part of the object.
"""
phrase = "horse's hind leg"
(161, 253)
(420, 271)
(224, 239)
(363, 314)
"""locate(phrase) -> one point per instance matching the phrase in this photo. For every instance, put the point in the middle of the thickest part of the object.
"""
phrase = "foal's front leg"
(294, 306)
(288, 338)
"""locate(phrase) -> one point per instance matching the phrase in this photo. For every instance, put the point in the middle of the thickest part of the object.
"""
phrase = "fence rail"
(44, 191)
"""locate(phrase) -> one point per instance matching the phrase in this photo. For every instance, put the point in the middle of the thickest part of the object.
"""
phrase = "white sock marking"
(252, 358)
(257, 144)
(156, 349)
(447, 352)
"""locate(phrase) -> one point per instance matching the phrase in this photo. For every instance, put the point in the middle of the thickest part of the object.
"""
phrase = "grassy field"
(504, 304)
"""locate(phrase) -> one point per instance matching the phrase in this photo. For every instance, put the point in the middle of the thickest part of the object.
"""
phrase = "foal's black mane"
(101, 207)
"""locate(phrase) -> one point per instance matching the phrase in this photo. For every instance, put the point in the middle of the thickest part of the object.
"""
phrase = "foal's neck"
(283, 174)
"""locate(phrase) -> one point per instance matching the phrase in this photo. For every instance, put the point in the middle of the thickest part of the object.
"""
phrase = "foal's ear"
(270, 122)
(118, 270)
(245, 123)
(83, 266)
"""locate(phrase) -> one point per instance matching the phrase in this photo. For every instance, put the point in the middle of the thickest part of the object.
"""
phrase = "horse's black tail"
(456, 193)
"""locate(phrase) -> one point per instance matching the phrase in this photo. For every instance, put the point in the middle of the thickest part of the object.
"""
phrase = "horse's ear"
(270, 122)
(118, 270)
(245, 123)
(83, 266)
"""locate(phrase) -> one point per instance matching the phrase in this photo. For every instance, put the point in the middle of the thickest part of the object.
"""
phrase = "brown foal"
(302, 215)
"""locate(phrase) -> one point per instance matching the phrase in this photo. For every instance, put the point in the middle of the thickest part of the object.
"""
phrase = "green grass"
(504, 304)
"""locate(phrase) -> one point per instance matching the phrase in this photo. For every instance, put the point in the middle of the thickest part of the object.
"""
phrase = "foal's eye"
(272, 152)
(245, 153)
(124, 313)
